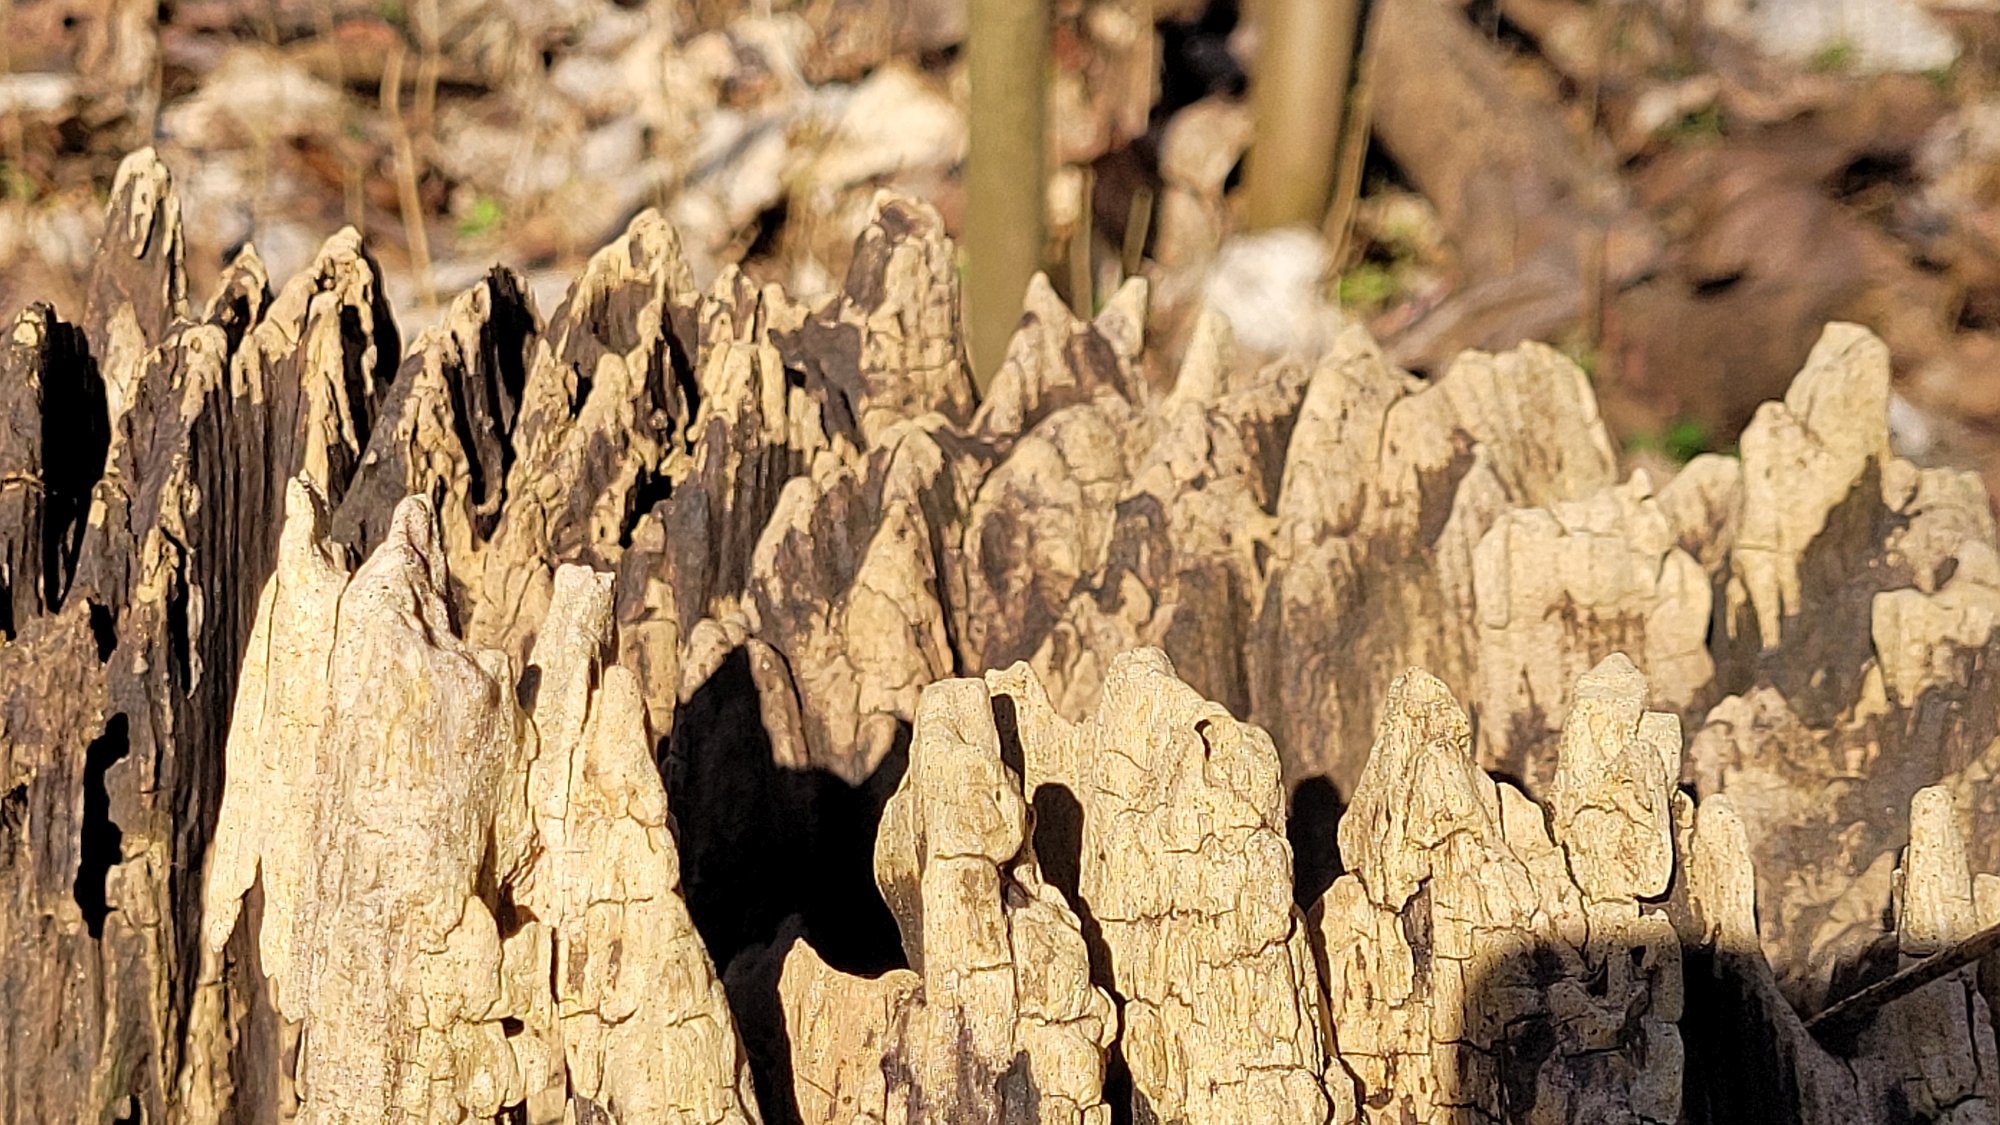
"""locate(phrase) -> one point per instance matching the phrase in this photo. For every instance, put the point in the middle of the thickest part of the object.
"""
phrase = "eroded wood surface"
(692, 706)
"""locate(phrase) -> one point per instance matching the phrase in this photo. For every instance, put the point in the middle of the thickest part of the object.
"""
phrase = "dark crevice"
(529, 688)
(1492, 22)
(682, 341)
(1416, 925)
(14, 811)
(486, 402)
(673, 396)
(767, 226)
(355, 380)
(75, 439)
(1736, 1068)
(1870, 176)
(180, 638)
(652, 489)
(100, 839)
(103, 629)
(1718, 284)
(1196, 60)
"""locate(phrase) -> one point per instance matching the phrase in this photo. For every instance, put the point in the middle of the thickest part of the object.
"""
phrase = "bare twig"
(406, 179)
(1353, 157)
(1850, 1015)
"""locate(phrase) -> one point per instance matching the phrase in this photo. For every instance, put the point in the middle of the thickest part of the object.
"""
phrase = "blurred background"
(1676, 193)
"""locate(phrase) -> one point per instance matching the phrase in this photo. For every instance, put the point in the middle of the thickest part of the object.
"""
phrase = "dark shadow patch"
(529, 689)
(1522, 1051)
(765, 229)
(1008, 725)
(1314, 831)
(1417, 935)
(867, 271)
(826, 357)
(1058, 820)
(1735, 1067)
(100, 837)
(1522, 1042)
(1872, 179)
(258, 1061)
(486, 402)
(1716, 285)
(1196, 61)
(1826, 644)
(589, 1112)
(180, 634)
(751, 983)
(69, 450)
(1204, 638)
(760, 843)
(1129, 1106)
(1437, 489)
(1020, 1101)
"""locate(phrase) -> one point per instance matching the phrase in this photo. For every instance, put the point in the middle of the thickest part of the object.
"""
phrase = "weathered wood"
(995, 758)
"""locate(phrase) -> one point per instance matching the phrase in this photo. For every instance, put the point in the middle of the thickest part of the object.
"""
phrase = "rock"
(1879, 36)
(1199, 148)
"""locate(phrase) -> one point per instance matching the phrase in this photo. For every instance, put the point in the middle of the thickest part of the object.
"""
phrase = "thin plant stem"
(1305, 56)
(406, 179)
(1082, 284)
(1007, 49)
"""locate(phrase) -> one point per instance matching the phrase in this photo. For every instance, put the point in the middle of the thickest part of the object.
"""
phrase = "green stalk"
(1007, 52)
